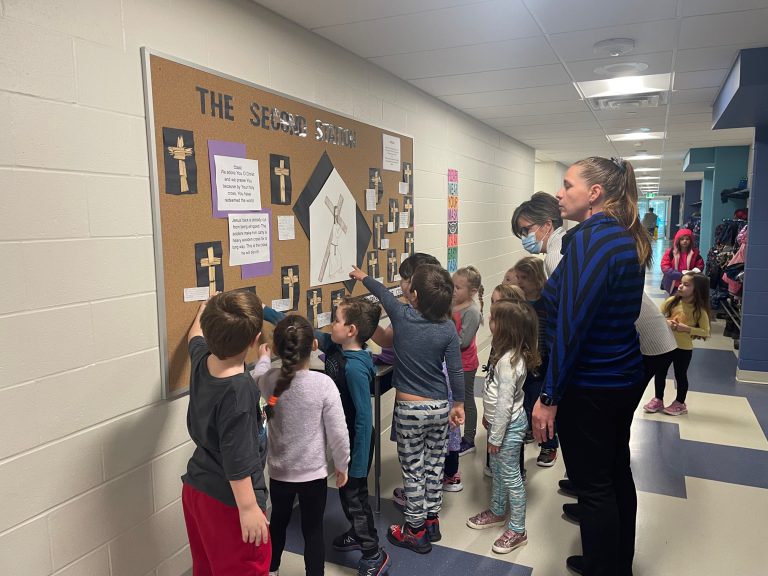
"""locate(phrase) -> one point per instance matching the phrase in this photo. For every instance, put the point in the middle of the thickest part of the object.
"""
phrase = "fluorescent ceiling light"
(627, 137)
(624, 85)
(643, 157)
(647, 169)
(647, 178)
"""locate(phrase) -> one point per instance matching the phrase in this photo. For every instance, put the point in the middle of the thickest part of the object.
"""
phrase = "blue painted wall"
(692, 194)
(753, 346)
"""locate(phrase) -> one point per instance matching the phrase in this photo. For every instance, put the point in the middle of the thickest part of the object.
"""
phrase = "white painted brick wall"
(91, 457)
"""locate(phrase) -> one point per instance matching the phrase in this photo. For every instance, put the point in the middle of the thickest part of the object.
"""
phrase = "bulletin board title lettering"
(222, 106)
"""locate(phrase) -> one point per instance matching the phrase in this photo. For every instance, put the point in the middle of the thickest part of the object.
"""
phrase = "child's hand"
(680, 327)
(357, 274)
(456, 416)
(265, 350)
(493, 449)
(486, 425)
(254, 526)
(341, 479)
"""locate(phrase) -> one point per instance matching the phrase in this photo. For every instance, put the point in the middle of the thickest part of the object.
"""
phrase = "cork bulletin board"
(255, 190)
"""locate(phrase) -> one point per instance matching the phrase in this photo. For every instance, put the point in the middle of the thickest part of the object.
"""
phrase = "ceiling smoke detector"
(614, 47)
(621, 69)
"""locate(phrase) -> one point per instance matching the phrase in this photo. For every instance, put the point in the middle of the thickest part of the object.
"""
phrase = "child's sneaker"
(676, 409)
(405, 537)
(373, 566)
(466, 447)
(528, 437)
(508, 541)
(433, 529)
(653, 406)
(453, 483)
(275, 573)
(345, 543)
(486, 519)
(399, 499)
(547, 457)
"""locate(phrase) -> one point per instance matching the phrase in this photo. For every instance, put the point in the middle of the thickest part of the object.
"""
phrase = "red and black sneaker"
(405, 537)
(433, 529)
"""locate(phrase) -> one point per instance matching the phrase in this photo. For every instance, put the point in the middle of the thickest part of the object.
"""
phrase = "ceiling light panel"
(630, 136)
(624, 85)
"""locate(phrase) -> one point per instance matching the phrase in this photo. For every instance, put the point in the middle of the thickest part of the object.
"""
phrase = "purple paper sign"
(221, 148)
(262, 268)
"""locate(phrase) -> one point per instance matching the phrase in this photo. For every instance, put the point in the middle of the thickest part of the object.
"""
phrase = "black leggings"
(680, 359)
(312, 496)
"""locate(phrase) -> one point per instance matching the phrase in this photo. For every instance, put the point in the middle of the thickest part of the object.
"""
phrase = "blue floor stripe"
(441, 560)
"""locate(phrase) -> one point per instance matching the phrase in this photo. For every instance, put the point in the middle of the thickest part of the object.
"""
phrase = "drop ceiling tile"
(557, 16)
(699, 79)
(649, 37)
(698, 7)
(690, 108)
(331, 12)
(658, 63)
(551, 119)
(486, 56)
(722, 29)
(436, 29)
(695, 95)
(508, 110)
(542, 94)
(710, 58)
(510, 79)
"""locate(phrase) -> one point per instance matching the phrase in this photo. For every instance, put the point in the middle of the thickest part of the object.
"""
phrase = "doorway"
(661, 206)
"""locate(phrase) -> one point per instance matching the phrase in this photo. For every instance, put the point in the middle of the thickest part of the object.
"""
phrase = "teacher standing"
(595, 366)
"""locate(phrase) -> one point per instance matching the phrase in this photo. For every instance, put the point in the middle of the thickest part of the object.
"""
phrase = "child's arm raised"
(195, 329)
(324, 341)
(388, 301)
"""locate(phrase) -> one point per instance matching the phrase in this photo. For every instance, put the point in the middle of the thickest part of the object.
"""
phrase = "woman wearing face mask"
(537, 222)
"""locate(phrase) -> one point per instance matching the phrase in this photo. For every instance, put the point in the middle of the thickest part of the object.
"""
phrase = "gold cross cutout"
(283, 172)
(290, 279)
(315, 302)
(211, 262)
(407, 172)
(180, 153)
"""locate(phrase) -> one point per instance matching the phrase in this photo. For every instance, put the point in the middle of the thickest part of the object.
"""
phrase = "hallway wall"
(91, 456)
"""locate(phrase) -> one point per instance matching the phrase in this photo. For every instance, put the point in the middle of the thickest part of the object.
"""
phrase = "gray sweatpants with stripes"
(422, 433)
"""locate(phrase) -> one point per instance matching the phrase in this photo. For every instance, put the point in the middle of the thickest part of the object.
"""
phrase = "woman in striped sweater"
(595, 366)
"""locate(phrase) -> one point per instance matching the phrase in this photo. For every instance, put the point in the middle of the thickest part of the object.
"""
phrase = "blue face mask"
(532, 245)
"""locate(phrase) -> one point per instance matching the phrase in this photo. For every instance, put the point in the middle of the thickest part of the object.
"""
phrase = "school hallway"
(701, 480)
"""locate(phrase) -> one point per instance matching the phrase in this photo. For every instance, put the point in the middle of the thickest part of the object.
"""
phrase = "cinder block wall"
(90, 457)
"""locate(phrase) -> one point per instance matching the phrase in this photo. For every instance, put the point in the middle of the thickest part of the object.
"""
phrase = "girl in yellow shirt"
(687, 314)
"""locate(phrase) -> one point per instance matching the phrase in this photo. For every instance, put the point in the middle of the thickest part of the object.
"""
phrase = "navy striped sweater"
(593, 299)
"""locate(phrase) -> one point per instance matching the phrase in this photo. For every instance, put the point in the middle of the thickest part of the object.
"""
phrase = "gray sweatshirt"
(420, 347)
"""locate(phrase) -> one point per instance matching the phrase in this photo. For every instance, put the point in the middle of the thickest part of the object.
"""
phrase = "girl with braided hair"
(304, 412)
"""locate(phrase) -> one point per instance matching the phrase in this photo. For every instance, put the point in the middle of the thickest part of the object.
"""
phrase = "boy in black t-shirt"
(224, 492)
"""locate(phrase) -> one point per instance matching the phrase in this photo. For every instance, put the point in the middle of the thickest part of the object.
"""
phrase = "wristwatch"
(547, 400)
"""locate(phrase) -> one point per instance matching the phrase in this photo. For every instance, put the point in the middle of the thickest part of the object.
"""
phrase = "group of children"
(433, 336)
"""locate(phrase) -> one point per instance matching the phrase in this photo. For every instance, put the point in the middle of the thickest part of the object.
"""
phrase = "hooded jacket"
(675, 262)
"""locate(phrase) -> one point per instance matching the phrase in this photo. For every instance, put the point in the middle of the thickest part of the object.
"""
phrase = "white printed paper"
(404, 188)
(282, 305)
(403, 256)
(248, 238)
(323, 319)
(384, 244)
(396, 278)
(196, 294)
(370, 199)
(391, 152)
(237, 184)
(379, 280)
(390, 226)
(286, 228)
(404, 223)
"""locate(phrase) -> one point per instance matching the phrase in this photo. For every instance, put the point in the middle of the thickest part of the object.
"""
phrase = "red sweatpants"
(215, 539)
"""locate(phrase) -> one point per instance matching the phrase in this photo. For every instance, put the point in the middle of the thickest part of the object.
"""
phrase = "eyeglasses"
(527, 230)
